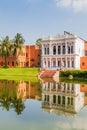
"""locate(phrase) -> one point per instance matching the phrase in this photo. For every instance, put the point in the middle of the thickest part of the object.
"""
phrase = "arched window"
(72, 49)
(72, 63)
(54, 99)
(59, 49)
(48, 63)
(63, 49)
(59, 99)
(45, 98)
(68, 64)
(48, 50)
(54, 63)
(59, 63)
(68, 49)
(54, 50)
(68, 102)
(45, 50)
(63, 100)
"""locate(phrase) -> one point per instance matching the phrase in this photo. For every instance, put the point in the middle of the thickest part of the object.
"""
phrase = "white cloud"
(63, 3)
(76, 5)
(76, 123)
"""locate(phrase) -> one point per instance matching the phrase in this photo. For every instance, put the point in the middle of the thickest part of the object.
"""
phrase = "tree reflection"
(5, 103)
(18, 105)
(8, 97)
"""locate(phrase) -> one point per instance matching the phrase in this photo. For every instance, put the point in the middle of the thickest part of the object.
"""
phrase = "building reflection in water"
(29, 90)
(13, 94)
(62, 98)
(21, 89)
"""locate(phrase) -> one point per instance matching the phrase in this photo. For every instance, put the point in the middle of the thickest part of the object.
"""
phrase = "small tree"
(38, 42)
(5, 49)
(18, 43)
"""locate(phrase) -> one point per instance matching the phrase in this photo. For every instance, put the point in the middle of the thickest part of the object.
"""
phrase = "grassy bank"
(79, 76)
(25, 74)
(74, 73)
(74, 80)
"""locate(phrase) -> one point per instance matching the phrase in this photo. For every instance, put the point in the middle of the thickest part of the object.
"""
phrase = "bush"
(5, 66)
(74, 73)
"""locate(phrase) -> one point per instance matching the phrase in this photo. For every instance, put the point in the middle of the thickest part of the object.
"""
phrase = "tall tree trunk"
(5, 60)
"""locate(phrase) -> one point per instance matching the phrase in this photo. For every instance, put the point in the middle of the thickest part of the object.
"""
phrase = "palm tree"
(5, 49)
(18, 43)
(17, 46)
(5, 103)
(38, 42)
(18, 105)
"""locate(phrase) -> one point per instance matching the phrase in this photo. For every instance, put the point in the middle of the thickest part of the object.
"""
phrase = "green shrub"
(5, 66)
(74, 73)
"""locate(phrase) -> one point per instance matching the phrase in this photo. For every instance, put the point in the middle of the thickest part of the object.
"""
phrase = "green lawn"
(19, 74)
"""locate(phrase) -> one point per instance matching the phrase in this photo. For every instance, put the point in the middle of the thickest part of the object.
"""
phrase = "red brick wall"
(11, 61)
(83, 63)
(34, 56)
(83, 88)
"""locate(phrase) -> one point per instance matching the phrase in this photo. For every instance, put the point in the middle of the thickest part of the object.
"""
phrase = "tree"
(18, 43)
(5, 103)
(38, 42)
(18, 105)
(5, 49)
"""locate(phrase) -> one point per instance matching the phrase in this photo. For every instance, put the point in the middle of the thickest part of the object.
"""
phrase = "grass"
(25, 74)
(74, 80)
(19, 78)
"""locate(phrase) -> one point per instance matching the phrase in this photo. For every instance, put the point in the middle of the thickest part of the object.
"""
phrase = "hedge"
(74, 73)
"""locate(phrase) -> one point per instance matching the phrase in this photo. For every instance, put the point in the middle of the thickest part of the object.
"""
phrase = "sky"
(41, 18)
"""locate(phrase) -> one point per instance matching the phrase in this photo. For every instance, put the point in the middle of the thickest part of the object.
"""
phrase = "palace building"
(66, 51)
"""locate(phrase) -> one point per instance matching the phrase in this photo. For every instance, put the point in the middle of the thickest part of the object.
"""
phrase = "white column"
(66, 62)
(46, 63)
(51, 49)
(56, 49)
(61, 49)
(66, 48)
(50, 62)
(70, 63)
(56, 63)
(61, 63)
(50, 52)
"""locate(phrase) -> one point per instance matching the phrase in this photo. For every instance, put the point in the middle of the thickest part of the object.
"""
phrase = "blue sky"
(41, 18)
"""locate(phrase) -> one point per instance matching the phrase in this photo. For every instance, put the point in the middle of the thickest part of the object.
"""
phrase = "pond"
(44, 105)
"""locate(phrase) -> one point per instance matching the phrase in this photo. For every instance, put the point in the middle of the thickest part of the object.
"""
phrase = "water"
(42, 106)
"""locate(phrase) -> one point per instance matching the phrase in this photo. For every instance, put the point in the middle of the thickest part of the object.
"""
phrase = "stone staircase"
(49, 73)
